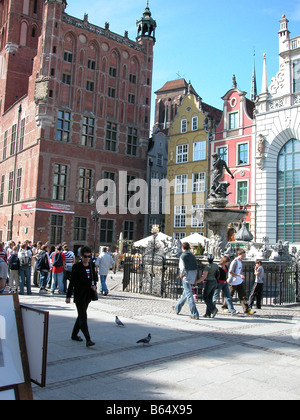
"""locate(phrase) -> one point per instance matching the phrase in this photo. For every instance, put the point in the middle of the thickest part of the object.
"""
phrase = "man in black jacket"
(83, 282)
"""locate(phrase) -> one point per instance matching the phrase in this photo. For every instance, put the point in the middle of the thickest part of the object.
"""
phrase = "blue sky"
(205, 42)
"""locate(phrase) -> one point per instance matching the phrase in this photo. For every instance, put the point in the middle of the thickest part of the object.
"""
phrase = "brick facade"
(80, 112)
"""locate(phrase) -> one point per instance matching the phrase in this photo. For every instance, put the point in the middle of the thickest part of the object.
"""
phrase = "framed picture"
(14, 368)
(11, 365)
(36, 342)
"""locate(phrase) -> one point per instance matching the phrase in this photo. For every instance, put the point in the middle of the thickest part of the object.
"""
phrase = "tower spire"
(264, 89)
(253, 84)
(146, 25)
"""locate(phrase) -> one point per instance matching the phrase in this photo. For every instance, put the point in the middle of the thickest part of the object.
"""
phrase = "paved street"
(223, 358)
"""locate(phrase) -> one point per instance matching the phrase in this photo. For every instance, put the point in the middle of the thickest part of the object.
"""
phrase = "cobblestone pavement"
(223, 358)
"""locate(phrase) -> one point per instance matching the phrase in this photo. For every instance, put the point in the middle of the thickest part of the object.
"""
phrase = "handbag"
(94, 295)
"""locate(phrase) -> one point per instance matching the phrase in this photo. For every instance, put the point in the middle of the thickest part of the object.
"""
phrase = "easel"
(22, 391)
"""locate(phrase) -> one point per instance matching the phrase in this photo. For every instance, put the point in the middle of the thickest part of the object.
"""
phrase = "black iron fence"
(158, 276)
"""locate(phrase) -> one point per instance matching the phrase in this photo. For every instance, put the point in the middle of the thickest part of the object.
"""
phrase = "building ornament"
(278, 82)
(260, 154)
(99, 31)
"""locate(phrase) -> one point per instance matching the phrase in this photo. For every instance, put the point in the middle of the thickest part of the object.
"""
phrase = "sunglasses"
(86, 256)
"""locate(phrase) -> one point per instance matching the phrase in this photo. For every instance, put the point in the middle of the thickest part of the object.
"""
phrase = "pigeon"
(119, 323)
(145, 340)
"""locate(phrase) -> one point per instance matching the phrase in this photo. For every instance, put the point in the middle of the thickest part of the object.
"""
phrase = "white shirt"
(104, 262)
(237, 280)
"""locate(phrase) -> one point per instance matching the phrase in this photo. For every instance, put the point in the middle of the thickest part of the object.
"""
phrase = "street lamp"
(95, 215)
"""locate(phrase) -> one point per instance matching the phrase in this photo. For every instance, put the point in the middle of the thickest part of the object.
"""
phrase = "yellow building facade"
(189, 165)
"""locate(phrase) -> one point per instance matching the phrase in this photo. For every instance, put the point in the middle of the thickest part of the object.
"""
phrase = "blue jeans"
(209, 290)
(57, 280)
(43, 279)
(103, 287)
(224, 288)
(187, 296)
(25, 273)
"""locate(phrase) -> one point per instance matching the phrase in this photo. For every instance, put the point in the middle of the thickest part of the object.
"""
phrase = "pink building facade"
(234, 142)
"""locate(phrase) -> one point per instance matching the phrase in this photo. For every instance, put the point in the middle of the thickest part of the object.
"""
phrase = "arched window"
(288, 199)
(23, 34)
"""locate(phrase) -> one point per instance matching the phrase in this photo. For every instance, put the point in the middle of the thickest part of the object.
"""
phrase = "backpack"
(42, 263)
(57, 260)
(14, 262)
(25, 259)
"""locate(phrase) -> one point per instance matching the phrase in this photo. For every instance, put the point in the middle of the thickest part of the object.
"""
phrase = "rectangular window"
(131, 98)
(22, 135)
(66, 79)
(195, 223)
(10, 188)
(5, 145)
(80, 229)
(242, 192)
(90, 86)
(85, 185)
(181, 182)
(106, 232)
(63, 126)
(199, 182)
(88, 132)
(183, 126)
(223, 153)
(91, 64)
(13, 139)
(159, 160)
(195, 123)
(111, 137)
(2, 186)
(59, 188)
(243, 154)
(56, 229)
(199, 152)
(129, 231)
(113, 72)
(19, 184)
(296, 76)
(180, 216)
(111, 92)
(109, 188)
(132, 78)
(182, 153)
(233, 120)
(68, 57)
(132, 141)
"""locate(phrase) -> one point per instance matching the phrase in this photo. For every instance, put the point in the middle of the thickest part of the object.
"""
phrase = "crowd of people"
(223, 277)
(48, 268)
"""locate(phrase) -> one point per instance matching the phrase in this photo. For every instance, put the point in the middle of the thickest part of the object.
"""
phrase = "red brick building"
(75, 109)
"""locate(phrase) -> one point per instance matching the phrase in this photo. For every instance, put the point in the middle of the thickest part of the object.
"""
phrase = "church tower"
(20, 26)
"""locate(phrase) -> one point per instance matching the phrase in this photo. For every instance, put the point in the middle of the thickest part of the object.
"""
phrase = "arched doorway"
(288, 192)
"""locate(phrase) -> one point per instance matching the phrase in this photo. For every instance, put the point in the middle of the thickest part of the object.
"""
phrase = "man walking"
(257, 291)
(210, 278)
(104, 263)
(236, 281)
(188, 274)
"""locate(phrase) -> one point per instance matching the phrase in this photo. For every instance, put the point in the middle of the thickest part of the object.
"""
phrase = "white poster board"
(11, 367)
(35, 324)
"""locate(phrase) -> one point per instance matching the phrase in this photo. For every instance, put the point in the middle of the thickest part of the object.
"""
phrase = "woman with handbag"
(84, 285)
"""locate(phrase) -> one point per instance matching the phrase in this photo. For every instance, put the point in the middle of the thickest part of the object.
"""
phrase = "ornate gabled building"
(189, 164)
(234, 142)
(278, 145)
(75, 109)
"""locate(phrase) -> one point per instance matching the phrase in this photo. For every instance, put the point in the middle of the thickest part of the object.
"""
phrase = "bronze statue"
(218, 189)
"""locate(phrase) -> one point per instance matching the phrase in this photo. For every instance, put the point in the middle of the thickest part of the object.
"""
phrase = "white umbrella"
(195, 239)
(160, 237)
